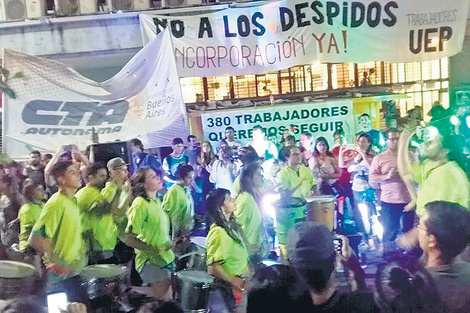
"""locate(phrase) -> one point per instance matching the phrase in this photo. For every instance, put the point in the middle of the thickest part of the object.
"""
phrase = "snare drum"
(16, 279)
(104, 280)
(194, 289)
(321, 209)
(288, 212)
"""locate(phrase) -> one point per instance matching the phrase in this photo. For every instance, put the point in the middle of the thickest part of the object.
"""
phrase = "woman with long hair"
(33, 193)
(227, 256)
(364, 194)
(204, 163)
(147, 231)
(325, 167)
(248, 214)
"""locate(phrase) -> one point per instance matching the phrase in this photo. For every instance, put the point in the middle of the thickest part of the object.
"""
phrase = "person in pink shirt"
(394, 195)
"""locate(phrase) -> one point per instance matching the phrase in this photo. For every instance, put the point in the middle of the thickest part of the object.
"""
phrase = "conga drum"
(16, 279)
(194, 289)
(321, 209)
(288, 212)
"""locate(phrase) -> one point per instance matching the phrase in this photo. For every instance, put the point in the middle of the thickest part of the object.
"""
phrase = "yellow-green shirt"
(248, 217)
(96, 219)
(237, 186)
(150, 224)
(109, 192)
(178, 204)
(222, 249)
(440, 182)
(60, 222)
(288, 178)
(28, 215)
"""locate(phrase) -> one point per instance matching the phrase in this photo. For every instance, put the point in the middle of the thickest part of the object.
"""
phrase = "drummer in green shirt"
(295, 178)
(227, 256)
(248, 214)
(148, 231)
(57, 234)
(178, 204)
(99, 230)
(118, 192)
(29, 213)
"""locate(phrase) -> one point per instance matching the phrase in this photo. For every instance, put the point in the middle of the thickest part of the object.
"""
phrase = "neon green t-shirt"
(236, 185)
(440, 182)
(60, 222)
(148, 221)
(288, 178)
(96, 219)
(28, 215)
(109, 192)
(222, 249)
(178, 204)
(248, 217)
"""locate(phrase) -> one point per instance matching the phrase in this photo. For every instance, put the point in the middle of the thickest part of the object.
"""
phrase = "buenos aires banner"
(57, 106)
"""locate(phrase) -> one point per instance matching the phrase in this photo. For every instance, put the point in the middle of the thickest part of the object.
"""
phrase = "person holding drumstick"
(227, 255)
(295, 178)
(148, 232)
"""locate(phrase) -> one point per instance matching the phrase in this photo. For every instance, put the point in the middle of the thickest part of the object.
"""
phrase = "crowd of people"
(64, 212)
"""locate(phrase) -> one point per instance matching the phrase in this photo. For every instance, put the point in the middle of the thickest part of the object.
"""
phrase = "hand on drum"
(239, 283)
(346, 250)
(58, 269)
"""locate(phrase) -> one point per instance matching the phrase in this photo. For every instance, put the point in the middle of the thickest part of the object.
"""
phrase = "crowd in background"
(73, 212)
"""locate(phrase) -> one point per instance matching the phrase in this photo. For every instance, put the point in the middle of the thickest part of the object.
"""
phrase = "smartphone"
(56, 302)
(350, 146)
(338, 243)
(68, 148)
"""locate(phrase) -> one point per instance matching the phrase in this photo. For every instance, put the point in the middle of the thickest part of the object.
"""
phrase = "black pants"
(75, 287)
(390, 215)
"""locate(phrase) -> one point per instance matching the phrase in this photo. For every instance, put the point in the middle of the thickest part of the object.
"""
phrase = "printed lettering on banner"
(277, 35)
(57, 106)
(318, 119)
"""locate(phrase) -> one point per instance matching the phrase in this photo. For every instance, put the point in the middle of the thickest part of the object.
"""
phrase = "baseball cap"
(115, 163)
(309, 245)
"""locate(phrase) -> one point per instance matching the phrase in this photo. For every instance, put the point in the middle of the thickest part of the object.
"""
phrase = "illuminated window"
(190, 86)
(343, 75)
(267, 85)
(373, 71)
(424, 82)
(317, 77)
(218, 88)
(244, 86)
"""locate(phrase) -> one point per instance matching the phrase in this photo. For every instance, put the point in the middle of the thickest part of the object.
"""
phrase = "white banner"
(318, 119)
(55, 105)
(277, 35)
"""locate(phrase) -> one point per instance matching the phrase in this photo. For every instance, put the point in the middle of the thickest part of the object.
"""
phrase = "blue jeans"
(390, 217)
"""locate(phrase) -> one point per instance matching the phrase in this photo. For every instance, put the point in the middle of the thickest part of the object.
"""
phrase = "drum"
(321, 209)
(288, 212)
(16, 279)
(194, 289)
(199, 241)
(104, 280)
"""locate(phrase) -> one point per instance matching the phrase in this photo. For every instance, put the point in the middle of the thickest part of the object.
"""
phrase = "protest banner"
(273, 36)
(317, 118)
(57, 106)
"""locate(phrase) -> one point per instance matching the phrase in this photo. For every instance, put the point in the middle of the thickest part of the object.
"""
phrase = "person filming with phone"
(311, 252)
